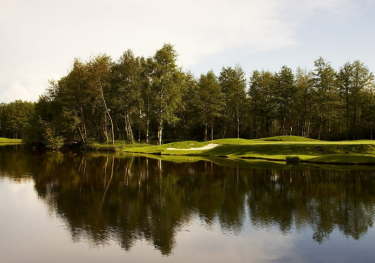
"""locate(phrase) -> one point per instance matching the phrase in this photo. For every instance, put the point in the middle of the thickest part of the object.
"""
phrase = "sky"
(39, 39)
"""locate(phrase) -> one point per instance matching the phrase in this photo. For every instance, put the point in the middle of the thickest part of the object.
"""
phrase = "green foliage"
(209, 101)
(353, 81)
(326, 98)
(42, 134)
(127, 85)
(233, 83)
(167, 81)
(14, 117)
(292, 159)
(263, 104)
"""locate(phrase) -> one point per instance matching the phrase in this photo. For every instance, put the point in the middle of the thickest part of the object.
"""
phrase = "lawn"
(9, 141)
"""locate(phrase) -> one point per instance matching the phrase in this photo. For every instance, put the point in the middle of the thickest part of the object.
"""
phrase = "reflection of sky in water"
(31, 233)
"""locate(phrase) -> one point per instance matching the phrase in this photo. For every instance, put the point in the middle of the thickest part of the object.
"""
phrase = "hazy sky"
(40, 38)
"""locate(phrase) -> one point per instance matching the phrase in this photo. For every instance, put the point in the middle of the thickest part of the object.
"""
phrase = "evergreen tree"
(285, 95)
(326, 94)
(353, 80)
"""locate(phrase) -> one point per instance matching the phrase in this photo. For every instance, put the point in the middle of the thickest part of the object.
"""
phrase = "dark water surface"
(119, 208)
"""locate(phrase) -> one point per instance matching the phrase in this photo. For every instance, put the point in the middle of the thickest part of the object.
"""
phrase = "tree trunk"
(140, 126)
(105, 127)
(160, 133)
(112, 129)
(355, 118)
(128, 129)
(205, 132)
(147, 128)
(320, 127)
(160, 127)
(107, 111)
(347, 115)
(84, 132)
(81, 134)
(139, 134)
(238, 123)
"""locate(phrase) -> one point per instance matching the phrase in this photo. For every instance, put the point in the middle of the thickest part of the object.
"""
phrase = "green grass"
(109, 147)
(277, 149)
(157, 149)
(287, 139)
(345, 159)
(9, 141)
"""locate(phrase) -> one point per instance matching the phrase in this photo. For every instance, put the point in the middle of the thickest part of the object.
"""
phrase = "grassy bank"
(9, 141)
(274, 148)
(117, 147)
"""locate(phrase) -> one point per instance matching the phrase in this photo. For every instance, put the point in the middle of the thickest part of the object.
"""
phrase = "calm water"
(120, 208)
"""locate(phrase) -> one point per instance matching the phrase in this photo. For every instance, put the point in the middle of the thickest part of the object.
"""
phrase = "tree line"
(14, 117)
(152, 99)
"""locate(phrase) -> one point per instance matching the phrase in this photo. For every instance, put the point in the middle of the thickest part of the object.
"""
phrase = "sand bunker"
(207, 147)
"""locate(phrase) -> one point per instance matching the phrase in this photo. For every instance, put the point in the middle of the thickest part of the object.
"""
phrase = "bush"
(292, 159)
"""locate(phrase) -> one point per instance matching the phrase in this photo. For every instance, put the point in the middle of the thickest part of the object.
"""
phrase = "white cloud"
(52, 33)
(27, 88)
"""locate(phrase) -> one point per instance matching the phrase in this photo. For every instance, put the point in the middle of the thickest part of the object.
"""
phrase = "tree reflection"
(126, 198)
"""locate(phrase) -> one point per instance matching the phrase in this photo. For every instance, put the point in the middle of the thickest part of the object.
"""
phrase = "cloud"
(52, 33)
(27, 87)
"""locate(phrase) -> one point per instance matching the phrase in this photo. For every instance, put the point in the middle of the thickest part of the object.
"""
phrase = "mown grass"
(109, 147)
(287, 139)
(9, 141)
(345, 158)
(277, 149)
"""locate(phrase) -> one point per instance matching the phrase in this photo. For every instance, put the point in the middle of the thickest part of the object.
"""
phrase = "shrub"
(292, 159)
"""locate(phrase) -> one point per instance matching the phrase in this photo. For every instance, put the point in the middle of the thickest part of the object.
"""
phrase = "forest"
(153, 100)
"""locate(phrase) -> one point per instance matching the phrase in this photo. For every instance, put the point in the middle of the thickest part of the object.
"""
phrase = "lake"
(99, 207)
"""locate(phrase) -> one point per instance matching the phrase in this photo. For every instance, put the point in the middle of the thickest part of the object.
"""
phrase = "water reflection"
(126, 198)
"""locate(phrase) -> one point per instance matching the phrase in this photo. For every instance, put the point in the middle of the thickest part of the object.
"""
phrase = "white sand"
(207, 147)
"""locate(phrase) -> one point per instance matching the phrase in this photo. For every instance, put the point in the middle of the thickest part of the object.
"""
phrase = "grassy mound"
(287, 139)
(235, 141)
(109, 147)
(152, 149)
(344, 159)
(277, 149)
(8, 141)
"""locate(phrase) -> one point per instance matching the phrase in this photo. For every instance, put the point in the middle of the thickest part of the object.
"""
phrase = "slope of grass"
(109, 147)
(9, 141)
(344, 159)
(157, 149)
(287, 139)
(278, 149)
